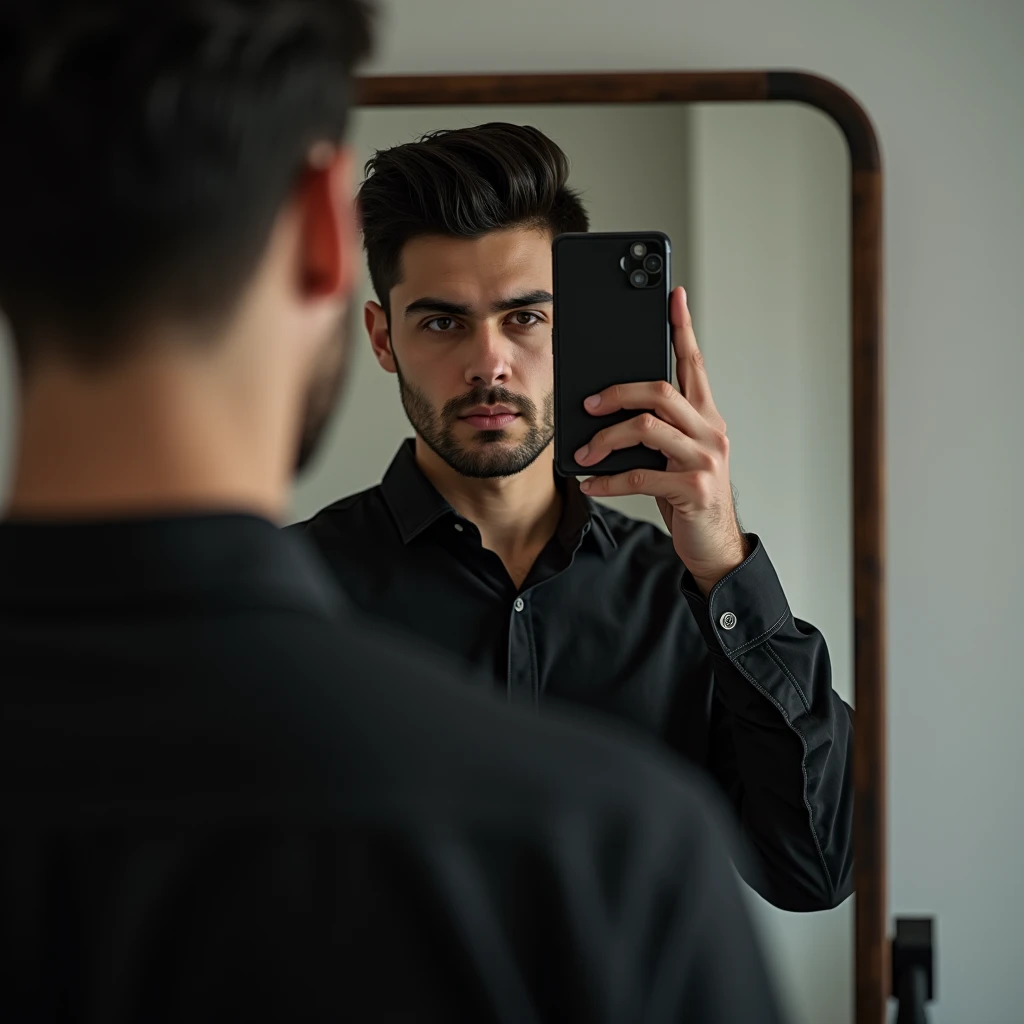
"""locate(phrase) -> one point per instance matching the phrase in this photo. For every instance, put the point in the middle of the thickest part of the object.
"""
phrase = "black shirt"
(609, 619)
(227, 797)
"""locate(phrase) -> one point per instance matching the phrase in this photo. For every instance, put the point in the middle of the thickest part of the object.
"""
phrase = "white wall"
(769, 239)
(944, 83)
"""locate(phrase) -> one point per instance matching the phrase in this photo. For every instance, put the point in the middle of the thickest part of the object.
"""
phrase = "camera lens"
(652, 264)
(638, 250)
(638, 279)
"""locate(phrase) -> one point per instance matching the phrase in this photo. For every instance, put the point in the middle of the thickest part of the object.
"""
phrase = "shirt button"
(727, 621)
(519, 605)
(458, 526)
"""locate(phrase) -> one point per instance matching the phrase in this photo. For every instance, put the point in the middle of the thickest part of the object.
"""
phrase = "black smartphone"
(611, 326)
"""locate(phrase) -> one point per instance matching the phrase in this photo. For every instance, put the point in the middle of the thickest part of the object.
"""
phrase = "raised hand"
(694, 491)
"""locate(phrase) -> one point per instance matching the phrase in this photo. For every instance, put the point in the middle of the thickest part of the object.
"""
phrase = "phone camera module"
(653, 263)
(638, 250)
(638, 279)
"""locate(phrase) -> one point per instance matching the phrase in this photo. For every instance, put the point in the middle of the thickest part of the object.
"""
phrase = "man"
(472, 541)
(226, 797)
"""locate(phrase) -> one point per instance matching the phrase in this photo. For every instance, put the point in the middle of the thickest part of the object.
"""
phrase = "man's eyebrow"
(428, 304)
(536, 298)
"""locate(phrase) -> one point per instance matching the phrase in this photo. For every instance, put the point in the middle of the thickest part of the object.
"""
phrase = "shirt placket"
(523, 683)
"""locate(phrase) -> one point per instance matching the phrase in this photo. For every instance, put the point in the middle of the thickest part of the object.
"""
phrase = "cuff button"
(727, 621)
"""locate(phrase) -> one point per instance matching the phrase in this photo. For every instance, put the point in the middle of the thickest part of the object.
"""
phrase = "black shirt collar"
(416, 504)
(196, 560)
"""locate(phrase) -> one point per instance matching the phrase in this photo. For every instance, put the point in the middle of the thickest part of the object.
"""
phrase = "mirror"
(756, 200)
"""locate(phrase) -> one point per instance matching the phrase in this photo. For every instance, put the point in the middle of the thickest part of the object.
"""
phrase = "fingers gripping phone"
(611, 326)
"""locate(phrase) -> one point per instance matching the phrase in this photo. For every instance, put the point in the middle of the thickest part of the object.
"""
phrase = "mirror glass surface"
(755, 198)
(756, 201)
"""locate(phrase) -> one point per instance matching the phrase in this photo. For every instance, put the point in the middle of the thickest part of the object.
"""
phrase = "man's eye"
(440, 324)
(524, 318)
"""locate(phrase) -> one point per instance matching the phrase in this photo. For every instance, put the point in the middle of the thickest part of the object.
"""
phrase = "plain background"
(755, 201)
(944, 84)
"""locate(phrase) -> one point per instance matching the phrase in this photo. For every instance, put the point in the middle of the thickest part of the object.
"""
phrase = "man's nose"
(489, 363)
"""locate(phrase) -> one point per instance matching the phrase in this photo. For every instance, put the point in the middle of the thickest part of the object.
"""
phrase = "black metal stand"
(913, 968)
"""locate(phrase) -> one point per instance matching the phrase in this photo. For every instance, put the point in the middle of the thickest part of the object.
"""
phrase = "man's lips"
(490, 418)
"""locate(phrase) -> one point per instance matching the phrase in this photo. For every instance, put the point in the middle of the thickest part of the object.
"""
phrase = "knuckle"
(665, 390)
(649, 423)
(637, 478)
(700, 488)
(708, 462)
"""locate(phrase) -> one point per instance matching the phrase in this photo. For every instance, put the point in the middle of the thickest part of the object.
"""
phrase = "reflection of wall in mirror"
(769, 254)
(755, 201)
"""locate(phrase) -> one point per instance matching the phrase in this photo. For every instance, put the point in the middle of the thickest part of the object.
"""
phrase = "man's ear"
(380, 338)
(329, 230)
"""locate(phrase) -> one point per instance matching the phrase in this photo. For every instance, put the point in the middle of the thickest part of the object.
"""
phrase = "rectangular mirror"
(756, 200)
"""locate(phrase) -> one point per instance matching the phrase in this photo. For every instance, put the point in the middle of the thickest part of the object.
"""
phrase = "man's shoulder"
(284, 708)
(363, 509)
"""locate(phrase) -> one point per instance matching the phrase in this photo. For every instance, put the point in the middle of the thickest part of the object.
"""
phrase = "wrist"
(733, 556)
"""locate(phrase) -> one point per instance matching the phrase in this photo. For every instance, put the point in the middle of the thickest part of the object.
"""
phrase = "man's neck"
(516, 515)
(149, 440)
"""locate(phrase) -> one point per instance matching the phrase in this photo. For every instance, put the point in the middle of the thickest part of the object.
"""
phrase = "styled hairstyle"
(148, 148)
(462, 183)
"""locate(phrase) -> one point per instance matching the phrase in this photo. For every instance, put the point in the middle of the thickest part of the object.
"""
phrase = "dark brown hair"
(463, 183)
(148, 149)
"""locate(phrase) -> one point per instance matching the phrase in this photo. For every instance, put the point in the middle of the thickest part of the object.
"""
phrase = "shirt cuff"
(744, 608)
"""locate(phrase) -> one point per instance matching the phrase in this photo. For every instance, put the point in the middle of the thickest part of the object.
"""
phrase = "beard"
(490, 454)
(326, 385)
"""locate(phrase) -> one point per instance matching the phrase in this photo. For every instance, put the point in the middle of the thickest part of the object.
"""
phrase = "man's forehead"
(497, 263)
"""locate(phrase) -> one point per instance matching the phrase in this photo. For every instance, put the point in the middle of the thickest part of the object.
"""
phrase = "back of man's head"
(148, 148)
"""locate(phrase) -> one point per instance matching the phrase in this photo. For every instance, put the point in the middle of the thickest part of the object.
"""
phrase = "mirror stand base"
(913, 968)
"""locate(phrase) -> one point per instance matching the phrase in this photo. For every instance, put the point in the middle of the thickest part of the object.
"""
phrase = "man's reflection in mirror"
(472, 541)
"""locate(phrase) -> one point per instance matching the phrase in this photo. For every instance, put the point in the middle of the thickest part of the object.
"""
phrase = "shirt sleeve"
(782, 739)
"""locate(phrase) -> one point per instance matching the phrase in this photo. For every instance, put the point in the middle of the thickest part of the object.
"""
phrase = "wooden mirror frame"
(871, 948)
